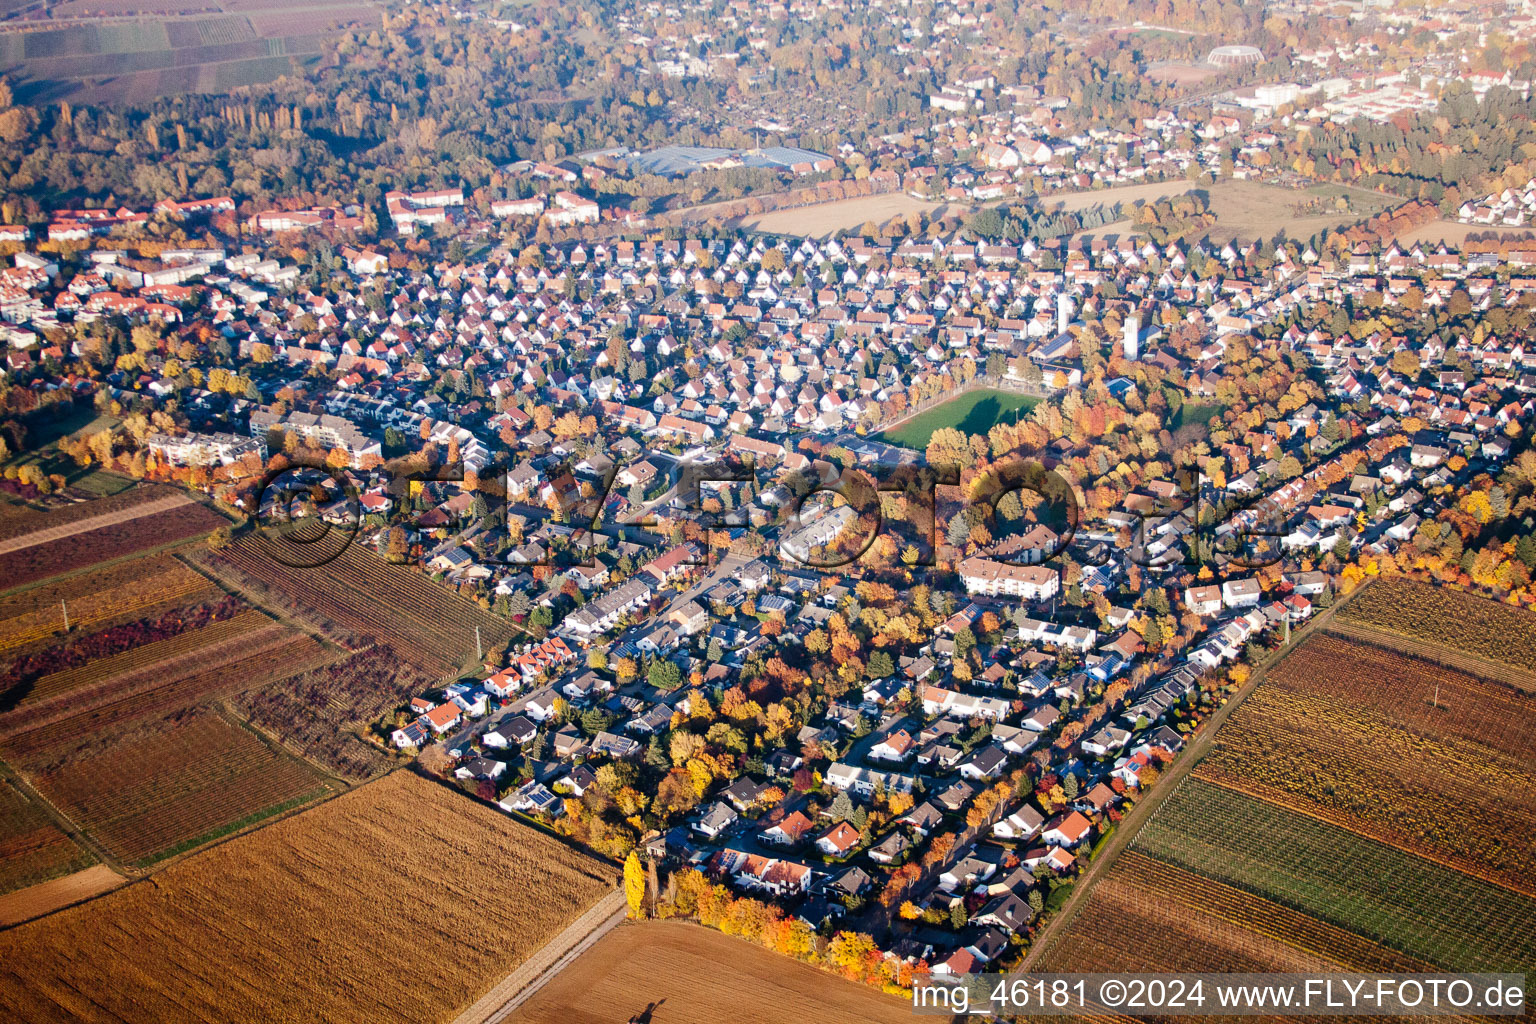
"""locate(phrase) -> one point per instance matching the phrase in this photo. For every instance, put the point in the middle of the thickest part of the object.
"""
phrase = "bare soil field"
(1244, 210)
(1248, 210)
(37, 900)
(1126, 194)
(399, 901)
(824, 220)
(688, 974)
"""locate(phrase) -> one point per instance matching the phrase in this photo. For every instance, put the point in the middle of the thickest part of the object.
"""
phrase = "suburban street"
(1147, 806)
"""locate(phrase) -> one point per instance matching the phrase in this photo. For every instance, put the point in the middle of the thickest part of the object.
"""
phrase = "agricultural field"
(44, 898)
(166, 49)
(360, 600)
(176, 785)
(1411, 753)
(63, 548)
(124, 723)
(1354, 797)
(1375, 891)
(145, 655)
(974, 412)
(97, 598)
(113, 727)
(264, 928)
(55, 701)
(33, 849)
(1183, 921)
(25, 526)
(661, 964)
(823, 220)
(85, 657)
(322, 714)
(215, 662)
(1463, 622)
(1124, 194)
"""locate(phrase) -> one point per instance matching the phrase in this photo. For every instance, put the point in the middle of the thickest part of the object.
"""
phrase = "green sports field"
(974, 412)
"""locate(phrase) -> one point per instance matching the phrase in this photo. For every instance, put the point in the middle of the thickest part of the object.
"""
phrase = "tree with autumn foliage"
(634, 885)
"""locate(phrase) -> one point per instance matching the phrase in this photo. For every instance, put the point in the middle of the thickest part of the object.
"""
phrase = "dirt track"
(46, 897)
(515, 988)
(53, 533)
(1462, 662)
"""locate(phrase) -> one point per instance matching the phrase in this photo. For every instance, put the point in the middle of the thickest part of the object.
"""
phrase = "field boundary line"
(553, 957)
(139, 679)
(1448, 657)
(123, 515)
(16, 777)
(231, 714)
(171, 547)
(1234, 787)
(1263, 927)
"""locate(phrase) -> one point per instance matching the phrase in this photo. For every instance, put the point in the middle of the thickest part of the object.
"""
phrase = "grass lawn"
(45, 432)
(974, 412)
(1246, 210)
(101, 483)
(43, 451)
(1197, 412)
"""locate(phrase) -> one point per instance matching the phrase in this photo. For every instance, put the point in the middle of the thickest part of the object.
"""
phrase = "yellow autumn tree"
(634, 885)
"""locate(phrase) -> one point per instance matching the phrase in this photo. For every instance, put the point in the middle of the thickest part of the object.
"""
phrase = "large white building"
(571, 208)
(408, 210)
(322, 431)
(205, 449)
(995, 579)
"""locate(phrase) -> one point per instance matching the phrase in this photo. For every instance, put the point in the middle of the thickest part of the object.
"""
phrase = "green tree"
(664, 674)
(965, 643)
(879, 665)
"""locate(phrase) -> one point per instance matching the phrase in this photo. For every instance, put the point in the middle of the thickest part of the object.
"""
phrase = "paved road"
(460, 738)
(557, 954)
(1162, 789)
(723, 570)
